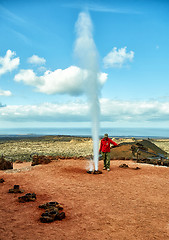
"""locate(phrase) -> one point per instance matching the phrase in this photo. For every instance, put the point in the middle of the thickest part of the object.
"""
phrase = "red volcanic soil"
(123, 204)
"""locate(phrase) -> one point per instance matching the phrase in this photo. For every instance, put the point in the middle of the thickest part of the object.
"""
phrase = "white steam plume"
(86, 51)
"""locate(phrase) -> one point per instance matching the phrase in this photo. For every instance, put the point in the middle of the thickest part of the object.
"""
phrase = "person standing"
(105, 150)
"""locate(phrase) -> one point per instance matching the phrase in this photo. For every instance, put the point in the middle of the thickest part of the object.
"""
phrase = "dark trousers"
(106, 159)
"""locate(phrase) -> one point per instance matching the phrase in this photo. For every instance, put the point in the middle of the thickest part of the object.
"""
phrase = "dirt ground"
(123, 204)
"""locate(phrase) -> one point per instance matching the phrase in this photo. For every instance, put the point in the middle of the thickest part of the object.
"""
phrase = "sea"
(86, 132)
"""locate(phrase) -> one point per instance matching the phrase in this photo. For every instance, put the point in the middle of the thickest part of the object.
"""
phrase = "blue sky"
(42, 84)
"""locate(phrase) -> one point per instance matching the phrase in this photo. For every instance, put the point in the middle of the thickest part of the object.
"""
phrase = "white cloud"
(103, 78)
(5, 93)
(134, 111)
(111, 111)
(41, 69)
(72, 80)
(8, 63)
(117, 58)
(46, 112)
(36, 60)
(27, 76)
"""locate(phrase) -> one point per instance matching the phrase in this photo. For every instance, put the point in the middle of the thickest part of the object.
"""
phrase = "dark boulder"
(40, 160)
(4, 165)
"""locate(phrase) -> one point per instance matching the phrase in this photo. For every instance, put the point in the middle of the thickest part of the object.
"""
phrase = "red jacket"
(105, 145)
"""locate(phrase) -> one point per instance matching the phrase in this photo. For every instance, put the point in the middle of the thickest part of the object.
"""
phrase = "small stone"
(123, 166)
(2, 180)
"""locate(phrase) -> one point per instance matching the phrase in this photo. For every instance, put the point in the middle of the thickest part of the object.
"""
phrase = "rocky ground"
(123, 204)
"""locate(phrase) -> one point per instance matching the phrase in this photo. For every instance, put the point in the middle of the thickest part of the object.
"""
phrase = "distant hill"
(153, 147)
(125, 152)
